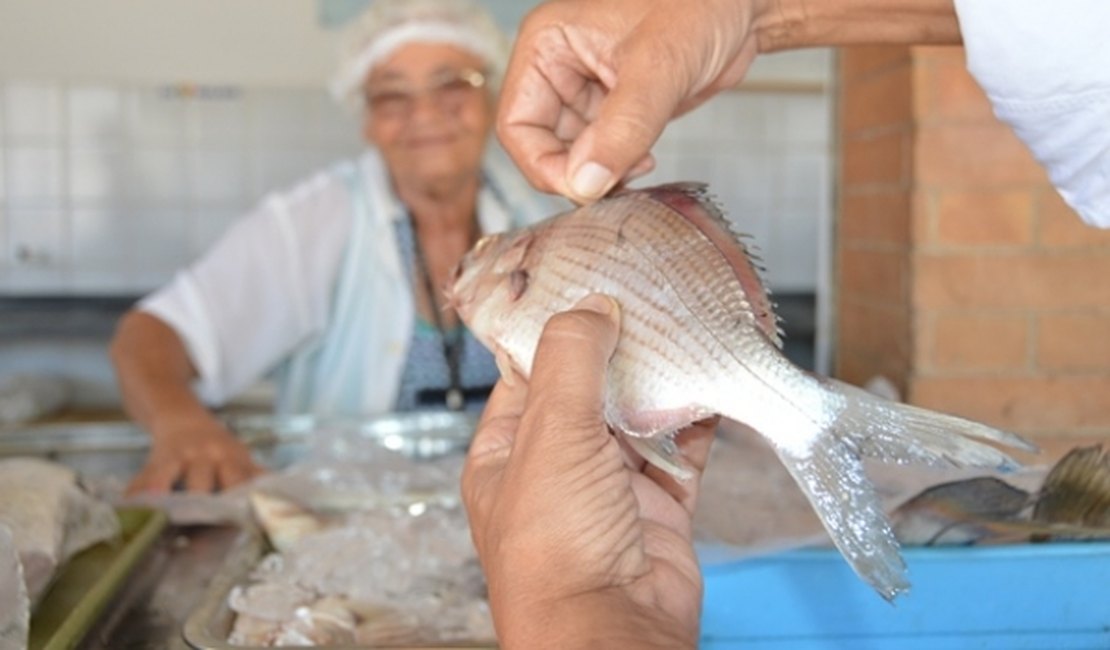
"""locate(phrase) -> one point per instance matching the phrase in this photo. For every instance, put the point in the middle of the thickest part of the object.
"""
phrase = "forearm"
(791, 24)
(154, 372)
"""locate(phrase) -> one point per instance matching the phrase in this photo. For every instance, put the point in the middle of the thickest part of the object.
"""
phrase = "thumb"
(566, 390)
(629, 120)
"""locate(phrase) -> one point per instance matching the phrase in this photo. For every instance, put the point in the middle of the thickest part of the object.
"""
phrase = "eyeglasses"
(447, 90)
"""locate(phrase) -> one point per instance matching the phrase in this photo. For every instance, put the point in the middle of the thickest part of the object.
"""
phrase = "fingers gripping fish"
(699, 337)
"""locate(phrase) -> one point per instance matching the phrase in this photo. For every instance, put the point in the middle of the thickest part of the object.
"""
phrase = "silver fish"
(699, 337)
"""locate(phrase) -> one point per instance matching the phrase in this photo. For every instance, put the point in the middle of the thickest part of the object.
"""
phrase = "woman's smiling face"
(429, 110)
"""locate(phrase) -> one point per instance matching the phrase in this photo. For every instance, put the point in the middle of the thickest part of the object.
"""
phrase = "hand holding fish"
(591, 85)
(578, 540)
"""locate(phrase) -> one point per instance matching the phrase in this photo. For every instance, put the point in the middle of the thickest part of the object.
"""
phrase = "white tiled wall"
(767, 158)
(108, 189)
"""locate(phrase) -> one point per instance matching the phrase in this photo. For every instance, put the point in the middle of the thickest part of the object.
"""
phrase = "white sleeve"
(264, 288)
(1046, 68)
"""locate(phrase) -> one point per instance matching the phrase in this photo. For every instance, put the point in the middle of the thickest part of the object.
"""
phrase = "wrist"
(776, 24)
(609, 619)
(789, 24)
(170, 419)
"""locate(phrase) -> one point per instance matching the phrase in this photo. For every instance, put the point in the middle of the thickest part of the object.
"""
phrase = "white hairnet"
(388, 24)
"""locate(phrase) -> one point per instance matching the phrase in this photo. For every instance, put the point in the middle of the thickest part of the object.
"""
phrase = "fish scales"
(699, 337)
(584, 248)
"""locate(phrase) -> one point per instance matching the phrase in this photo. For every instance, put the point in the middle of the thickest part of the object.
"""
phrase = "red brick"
(949, 54)
(985, 217)
(962, 342)
(862, 60)
(857, 369)
(1061, 227)
(871, 340)
(1074, 342)
(950, 93)
(973, 155)
(874, 217)
(1059, 405)
(873, 329)
(880, 100)
(877, 160)
(924, 206)
(1011, 281)
(873, 275)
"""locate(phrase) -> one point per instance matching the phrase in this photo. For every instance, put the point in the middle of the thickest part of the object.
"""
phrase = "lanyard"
(452, 341)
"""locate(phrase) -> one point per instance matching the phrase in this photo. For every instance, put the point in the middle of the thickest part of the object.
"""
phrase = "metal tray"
(120, 448)
(87, 583)
(209, 625)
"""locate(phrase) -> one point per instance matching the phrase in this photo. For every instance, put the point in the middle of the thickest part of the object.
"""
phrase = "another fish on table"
(1073, 503)
(971, 511)
(698, 338)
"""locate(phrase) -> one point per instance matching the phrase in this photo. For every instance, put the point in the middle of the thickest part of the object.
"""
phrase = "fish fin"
(1077, 489)
(663, 452)
(900, 433)
(504, 366)
(832, 478)
(701, 209)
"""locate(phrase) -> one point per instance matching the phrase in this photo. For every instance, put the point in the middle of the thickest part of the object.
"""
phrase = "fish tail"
(899, 433)
(824, 450)
(831, 476)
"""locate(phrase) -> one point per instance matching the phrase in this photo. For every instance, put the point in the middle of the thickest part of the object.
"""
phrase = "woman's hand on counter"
(580, 540)
(198, 454)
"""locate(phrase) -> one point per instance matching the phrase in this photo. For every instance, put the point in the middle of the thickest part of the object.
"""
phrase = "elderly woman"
(333, 286)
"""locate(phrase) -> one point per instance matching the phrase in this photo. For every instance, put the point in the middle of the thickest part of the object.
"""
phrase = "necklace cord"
(452, 341)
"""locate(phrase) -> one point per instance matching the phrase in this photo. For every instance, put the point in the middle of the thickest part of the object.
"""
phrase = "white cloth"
(1046, 68)
(265, 293)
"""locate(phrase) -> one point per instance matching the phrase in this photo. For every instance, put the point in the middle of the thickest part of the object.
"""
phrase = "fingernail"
(598, 303)
(591, 180)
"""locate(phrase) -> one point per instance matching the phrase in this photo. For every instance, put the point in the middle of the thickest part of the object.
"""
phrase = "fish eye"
(457, 272)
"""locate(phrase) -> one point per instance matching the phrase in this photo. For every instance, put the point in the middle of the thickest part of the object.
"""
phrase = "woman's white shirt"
(1046, 68)
(266, 288)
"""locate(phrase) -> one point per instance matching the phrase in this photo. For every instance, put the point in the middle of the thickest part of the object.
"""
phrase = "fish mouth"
(458, 293)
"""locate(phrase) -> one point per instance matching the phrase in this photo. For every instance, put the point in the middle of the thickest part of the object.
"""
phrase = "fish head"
(489, 281)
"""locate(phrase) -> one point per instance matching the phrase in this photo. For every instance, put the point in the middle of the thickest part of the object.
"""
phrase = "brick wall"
(962, 276)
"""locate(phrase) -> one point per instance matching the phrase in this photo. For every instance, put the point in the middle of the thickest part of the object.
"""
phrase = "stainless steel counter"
(152, 607)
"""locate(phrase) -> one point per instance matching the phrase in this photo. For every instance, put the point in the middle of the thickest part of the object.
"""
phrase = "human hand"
(580, 540)
(197, 452)
(591, 85)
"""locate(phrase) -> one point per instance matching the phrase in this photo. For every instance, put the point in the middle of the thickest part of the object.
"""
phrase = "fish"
(51, 517)
(699, 337)
(978, 510)
(1072, 503)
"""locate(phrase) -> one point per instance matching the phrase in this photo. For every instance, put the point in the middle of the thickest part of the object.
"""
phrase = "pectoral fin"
(662, 452)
